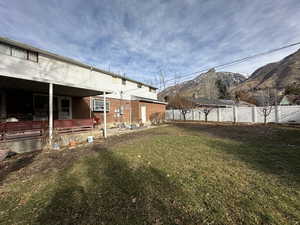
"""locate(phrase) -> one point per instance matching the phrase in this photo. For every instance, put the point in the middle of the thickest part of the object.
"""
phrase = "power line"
(237, 61)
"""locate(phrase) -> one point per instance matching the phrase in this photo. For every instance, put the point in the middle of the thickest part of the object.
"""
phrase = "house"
(219, 103)
(44, 92)
(290, 100)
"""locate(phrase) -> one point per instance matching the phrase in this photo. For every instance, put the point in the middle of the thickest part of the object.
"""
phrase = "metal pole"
(105, 135)
(50, 113)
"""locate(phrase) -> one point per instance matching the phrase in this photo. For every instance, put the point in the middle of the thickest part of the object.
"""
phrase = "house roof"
(148, 100)
(292, 99)
(206, 101)
(219, 102)
(67, 59)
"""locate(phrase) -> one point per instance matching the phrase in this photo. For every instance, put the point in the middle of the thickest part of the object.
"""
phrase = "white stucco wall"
(52, 70)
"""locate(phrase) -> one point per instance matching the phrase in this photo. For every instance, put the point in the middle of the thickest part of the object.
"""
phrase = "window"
(123, 81)
(65, 105)
(41, 102)
(5, 49)
(139, 85)
(33, 56)
(18, 52)
(98, 105)
(153, 90)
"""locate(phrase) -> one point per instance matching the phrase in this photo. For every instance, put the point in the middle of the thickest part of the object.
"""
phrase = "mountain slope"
(204, 85)
(274, 75)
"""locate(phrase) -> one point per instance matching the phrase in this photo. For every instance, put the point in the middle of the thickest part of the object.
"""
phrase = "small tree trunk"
(206, 117)
(265, 120)
(184, 116)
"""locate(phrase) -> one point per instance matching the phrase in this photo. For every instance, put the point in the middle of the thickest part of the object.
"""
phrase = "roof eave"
(68, 60)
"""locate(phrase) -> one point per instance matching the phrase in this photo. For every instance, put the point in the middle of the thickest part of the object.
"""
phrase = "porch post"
(50, 113)
(91, 107)
(105, 135)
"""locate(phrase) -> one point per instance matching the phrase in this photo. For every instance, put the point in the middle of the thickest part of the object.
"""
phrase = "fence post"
(235, 114)
(254, 114)
(277, 114)
(193, 114)
(173, 114)
(219, 114)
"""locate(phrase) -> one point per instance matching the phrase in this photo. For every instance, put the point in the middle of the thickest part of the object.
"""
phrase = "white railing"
(279, 114)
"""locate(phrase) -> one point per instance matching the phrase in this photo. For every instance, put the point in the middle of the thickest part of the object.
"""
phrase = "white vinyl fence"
(279, 114)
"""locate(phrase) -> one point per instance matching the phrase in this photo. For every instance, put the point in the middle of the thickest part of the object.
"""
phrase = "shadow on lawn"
(15, 164)
(110, 192)
(269, 149)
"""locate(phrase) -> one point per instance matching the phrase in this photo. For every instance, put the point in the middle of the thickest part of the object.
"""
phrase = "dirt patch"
(24, 166)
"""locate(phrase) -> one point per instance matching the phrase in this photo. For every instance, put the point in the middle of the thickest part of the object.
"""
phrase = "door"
(64, 108)
(144, 113)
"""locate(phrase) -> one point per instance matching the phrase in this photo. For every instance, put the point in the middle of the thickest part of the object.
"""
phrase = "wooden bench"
(30, 129)
(23, 129)
(75, 125)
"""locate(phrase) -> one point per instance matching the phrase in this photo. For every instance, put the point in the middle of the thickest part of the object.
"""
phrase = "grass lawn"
(180, 174)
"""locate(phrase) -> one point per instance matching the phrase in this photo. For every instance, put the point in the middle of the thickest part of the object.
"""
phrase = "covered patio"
(33, 109)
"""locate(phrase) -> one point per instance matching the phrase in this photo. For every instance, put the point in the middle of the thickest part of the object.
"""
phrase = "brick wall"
(153, 110)
(81, 109)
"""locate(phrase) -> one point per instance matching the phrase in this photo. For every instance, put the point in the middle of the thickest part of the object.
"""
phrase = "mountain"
(278, 75)
(207, 85)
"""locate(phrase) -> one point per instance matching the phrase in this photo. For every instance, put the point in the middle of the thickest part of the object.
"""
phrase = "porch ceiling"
(40, 87)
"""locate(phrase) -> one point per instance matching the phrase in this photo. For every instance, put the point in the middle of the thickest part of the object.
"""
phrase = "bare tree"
(162, 80)
(206, 110)
(267, 102)
(182, 103)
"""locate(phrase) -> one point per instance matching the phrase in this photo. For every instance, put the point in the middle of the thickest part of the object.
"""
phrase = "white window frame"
(13, 51)
(5, 49)
(62, 115)
(100, 106)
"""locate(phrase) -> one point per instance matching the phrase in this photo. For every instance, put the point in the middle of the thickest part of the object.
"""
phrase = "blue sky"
(140, 38)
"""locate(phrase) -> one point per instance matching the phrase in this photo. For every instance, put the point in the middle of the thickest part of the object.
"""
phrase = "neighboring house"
(219, 103)
(290, 100)
(36, 85)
